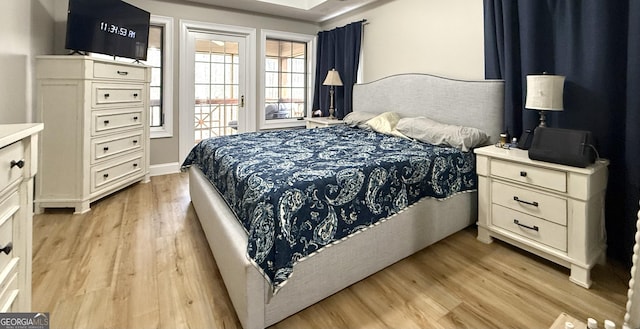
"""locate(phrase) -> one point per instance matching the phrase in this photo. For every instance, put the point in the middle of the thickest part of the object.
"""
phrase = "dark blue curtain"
(339, 49)
(596, 45)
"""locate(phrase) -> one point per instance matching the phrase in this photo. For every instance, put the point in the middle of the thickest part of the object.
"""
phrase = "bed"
(260, 298)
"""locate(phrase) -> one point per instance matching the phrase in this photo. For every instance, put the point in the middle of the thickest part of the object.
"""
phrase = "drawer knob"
(106, 95)
(106, 122)
(105, 175)
(135, 95)
(7, 249)
(19, 163)
(531, 203)
(135, 141)
(106, 148)
(523, 173)
(135, 118)
(123, 72)
(135, 165)
(533, 228)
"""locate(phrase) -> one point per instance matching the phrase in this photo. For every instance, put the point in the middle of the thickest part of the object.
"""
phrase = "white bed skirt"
(329, 271)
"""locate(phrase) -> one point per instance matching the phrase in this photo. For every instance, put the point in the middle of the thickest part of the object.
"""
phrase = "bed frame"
(632, 316)
(471, 103)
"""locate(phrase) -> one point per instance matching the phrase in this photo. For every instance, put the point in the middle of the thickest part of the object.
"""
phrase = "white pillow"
(358, 119)
(385, 123)
(437, 133)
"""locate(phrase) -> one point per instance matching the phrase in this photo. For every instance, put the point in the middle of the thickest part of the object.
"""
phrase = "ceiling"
(308, 10)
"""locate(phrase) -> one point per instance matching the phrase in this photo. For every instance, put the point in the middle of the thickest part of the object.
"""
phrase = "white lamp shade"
(333, 78)
(544, 92)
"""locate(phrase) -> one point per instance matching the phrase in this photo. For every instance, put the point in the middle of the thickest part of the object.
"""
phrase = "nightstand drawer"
(533, 228)
(322, 122)
(9, 158)
(311, 125)
(9, 285)
(547, 178)
(8, 209)
(530, 202)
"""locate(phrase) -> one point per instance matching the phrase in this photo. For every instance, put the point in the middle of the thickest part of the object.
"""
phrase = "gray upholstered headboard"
(477, 104)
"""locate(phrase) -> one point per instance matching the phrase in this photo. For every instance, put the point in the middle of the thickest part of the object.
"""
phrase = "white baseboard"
(164, 169)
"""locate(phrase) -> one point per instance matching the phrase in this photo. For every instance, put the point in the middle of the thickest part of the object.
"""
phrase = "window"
(287, 79)
(160, 58)
(154, 59)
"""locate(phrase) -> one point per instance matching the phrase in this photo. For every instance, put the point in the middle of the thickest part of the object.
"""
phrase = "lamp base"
(331, 110)
(543, 122)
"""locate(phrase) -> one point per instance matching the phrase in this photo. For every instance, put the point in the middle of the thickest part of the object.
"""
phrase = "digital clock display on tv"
(115, 29)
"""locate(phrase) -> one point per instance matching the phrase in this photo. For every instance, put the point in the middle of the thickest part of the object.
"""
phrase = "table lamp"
(332, 79)
(544, 93)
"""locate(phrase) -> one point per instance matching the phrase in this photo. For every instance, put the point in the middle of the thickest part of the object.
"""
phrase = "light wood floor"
(139, 259)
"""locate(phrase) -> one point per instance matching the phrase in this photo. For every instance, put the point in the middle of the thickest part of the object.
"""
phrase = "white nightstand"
(321, 122)
(551, 210)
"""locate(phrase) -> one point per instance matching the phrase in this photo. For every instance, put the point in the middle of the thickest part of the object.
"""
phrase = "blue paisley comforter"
(296, 191)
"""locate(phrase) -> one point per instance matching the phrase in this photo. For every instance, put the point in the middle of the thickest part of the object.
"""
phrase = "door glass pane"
(202, 94)
(217, 79)
(202, 72)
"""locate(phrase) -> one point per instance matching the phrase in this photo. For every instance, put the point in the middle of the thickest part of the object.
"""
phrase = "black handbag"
(563, 146)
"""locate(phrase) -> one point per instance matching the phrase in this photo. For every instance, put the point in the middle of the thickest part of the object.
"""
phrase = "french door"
(215, 70)
(217, 84)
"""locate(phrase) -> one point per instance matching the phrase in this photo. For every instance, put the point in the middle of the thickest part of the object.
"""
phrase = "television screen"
(111, 27)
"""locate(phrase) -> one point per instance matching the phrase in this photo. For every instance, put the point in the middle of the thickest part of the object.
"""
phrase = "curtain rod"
(363, 21)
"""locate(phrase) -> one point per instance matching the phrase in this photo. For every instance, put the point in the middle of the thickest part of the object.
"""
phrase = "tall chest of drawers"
(552, 210)
(96, 136)
(18, 165)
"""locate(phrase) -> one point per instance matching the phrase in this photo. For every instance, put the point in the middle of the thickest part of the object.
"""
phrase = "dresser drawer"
(8, 209)
(533, 228)
(9, 285)
(543, 177)
(108, 147)
(10, 170)
(531, 202)
(116, 171)
(109, 95)
(115, 120)
(119, 72)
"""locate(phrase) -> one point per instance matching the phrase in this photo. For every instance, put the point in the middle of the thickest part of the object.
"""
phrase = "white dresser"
(18, 159)
(96, 135)
(552, 210)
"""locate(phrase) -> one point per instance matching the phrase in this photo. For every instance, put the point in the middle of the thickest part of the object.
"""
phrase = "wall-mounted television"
(111, 27)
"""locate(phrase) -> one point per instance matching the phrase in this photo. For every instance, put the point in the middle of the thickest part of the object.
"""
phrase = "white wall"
(442, 37)
(25, 32)
(431, 36)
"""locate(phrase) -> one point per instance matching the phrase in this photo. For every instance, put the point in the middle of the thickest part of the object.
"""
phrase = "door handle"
(242, 101)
